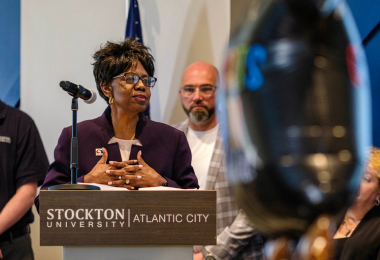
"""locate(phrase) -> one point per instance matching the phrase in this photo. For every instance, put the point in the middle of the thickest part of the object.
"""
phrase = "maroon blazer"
(164, 148)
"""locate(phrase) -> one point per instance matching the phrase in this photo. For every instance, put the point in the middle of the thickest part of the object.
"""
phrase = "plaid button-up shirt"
(237, 237)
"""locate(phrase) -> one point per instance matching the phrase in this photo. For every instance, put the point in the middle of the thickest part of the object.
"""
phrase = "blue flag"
(133, 30)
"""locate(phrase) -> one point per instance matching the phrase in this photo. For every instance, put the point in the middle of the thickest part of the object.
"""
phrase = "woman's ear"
(378, 194)
(107, 90)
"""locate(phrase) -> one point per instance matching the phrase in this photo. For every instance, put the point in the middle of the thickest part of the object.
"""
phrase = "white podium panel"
(130, 253)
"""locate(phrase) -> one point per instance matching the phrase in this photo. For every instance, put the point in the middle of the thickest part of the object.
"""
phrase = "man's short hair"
(114, 58)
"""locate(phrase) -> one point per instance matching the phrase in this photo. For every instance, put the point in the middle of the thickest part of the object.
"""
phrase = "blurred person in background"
(237, 237)
(23, 166)
(358, 235)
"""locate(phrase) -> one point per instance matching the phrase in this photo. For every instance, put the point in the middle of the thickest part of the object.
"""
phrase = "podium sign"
(119, 218)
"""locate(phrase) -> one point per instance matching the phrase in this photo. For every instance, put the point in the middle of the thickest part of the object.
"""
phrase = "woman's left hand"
(149, 177)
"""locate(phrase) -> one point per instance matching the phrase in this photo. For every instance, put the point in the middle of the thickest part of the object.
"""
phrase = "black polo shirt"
(22, 156)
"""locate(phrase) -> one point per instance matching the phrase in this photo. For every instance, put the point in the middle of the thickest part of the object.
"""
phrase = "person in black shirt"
(358, 236)
(23, 166)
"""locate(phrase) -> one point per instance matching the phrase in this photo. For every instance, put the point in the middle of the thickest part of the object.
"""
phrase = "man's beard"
(199, 115)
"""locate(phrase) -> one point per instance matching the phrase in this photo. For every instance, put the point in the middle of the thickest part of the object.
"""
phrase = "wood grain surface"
(114, 218)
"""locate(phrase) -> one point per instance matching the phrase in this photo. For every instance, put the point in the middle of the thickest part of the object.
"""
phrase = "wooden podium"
(128, 224)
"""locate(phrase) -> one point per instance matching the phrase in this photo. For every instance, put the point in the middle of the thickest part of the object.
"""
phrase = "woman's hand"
(98, 173)
(124, 173)
(134, 175)
(149, 177)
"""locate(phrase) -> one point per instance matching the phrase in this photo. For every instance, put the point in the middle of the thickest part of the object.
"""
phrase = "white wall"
(59, 37)
(57, 42)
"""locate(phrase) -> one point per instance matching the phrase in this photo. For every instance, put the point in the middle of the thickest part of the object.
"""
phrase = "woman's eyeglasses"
(131, 78)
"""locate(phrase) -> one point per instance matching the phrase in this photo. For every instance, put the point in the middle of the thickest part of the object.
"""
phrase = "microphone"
(78, 91)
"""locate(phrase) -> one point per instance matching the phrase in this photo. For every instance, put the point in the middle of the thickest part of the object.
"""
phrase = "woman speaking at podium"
(123, 147)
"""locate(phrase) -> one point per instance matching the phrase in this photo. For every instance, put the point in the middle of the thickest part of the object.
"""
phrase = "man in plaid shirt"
(237, 238)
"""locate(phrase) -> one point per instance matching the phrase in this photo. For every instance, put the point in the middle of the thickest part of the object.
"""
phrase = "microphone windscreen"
(63, 84)
(93, 97)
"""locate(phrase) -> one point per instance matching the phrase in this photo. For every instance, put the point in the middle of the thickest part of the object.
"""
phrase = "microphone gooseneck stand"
(74, 157)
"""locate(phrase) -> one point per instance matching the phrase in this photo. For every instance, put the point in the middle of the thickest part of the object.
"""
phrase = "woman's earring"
(377, 202)
(110, 100)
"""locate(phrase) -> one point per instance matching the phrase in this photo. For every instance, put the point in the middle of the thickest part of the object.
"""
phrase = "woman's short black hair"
(114, 58)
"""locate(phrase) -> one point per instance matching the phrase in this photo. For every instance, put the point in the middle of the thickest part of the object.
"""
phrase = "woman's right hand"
(98, 173)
